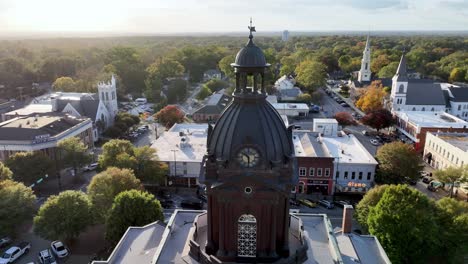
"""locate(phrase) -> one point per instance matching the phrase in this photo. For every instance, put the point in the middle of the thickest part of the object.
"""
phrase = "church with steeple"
(364, 74)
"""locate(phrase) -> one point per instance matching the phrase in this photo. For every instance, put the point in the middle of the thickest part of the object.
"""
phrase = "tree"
(372, 99)
(165, 68)
(215, 85)
(389, 70)
(305, 97)
(128, 65)
(398, 163)
(114, 153)
(64, 84)
(457, 75)
(149, 168)
(379, 62)
(5, 172)
(225, 65)
(452, 216)
(177, 91)
(64, 216)
(131, 208)
(378, 119)
(369, 200)
(288, 65)
(17, 205)
(311, 74)
(344, 119)
(73, 153)
(27, 167)
(204, 92)
(106, 185)
(452, 175)
(169, 115)
(404, 223)
(345, 63)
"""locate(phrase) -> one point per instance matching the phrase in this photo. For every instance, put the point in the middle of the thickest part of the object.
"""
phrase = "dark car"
(410, 181)
(426, 179)
(192, 204)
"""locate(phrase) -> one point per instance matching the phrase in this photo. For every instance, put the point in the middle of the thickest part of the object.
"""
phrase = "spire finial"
(252, 29)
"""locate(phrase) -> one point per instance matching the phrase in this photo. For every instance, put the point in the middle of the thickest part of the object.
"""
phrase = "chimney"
(348, 211)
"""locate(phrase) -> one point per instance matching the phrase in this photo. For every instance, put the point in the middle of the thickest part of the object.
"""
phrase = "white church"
(100, 107)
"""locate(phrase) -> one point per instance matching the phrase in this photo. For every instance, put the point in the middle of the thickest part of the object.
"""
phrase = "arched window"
(432, 109)
(423, 109)
(414, 108)
(247, 236)
(401, 89)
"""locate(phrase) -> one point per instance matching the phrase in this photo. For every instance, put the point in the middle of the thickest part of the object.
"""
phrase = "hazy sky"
(165, 16)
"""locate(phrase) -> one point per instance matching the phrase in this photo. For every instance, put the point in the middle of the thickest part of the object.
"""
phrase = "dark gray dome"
(250, 121)
(250, 56)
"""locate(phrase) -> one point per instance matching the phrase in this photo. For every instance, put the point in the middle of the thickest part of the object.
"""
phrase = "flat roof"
(431, 119)
(458, 140)
(31, 109)
(325, 120)
(187, 140)
(282, 106)
(360, 249)
(307, 144)
(348, 149)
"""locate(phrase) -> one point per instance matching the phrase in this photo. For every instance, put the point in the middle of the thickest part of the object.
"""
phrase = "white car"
(45, 257)
(91, 167)
(374, 142)
(14, 253)
(59, 249)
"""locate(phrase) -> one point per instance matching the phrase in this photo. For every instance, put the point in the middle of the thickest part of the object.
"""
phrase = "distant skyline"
(206, 16)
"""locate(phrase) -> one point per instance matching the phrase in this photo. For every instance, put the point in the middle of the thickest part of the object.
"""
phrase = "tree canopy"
(27, 167)
(311, 74)
(5, 172)
(131, 208)
(169, 115)
(398, 163)
(64, 216)
(106, 185)
(452, 175)
(73, 153)
(64, 84)
(344, 119)
(378, 119)
(372, 99)
(17, 205)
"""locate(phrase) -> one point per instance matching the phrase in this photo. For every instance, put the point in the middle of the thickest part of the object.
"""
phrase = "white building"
(286, 89)
(100, 107)
(285, 35)
(328, 127)
(292, 110)
(364, 74)
(446, 149)
(212, 74)
(183, 148)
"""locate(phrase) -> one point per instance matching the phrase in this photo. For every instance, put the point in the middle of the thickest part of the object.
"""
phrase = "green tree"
(5, 172)
(288, 65)
(114, 153)
(452, 175)
(305, 97)
(389, 70)
(345, 63)
(379, 62)
(64, 84)
(131, 208)
(64, 216)
(149, 168)
(127, 63)
(165, 68)
(17, 205)
(27, 167)
(216, 85)
(311, 74)
(398, 163)
(225, 65)
(177, 91)
(169, 115)
(74, 153)
(369, 200)
(404, 223)
(204, 92)
(106, 185)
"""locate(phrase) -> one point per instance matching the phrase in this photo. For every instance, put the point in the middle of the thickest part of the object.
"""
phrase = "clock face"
(248, 157)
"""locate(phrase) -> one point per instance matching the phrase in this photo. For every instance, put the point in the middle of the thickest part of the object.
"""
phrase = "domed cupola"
(250, 133)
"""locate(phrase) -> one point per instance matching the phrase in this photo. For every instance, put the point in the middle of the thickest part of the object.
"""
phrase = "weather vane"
(251, 28)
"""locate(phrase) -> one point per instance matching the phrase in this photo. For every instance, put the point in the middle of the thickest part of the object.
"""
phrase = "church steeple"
(365, 72)
(401, 72)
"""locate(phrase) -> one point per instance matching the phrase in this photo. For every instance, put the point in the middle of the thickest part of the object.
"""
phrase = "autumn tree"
(458, 75)
(452, 175)
(27, 167)
(64, 216)
(398, 163)
(131, 208)
(344, 119)
(64, 84)
(5, 172)
(106, 185)
(311, 74)
(170, 115)
(372, 99)
(17, 205)
(378, 119)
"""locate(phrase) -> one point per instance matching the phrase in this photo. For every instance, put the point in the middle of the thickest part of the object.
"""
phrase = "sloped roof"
(424, 92)
(460, 94)
(87, 105)
(402, 70)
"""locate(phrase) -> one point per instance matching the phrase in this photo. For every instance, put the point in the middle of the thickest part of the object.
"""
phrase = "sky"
(181, 16)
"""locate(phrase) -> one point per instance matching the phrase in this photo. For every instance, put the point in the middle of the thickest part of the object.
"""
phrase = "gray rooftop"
(460, 94)
(424, 92)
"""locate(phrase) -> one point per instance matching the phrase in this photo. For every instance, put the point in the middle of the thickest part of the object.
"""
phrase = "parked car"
(314, 109)
(45, 257)
(426, 173)
(410, 181)
(433, 186)
(326, 204)
(192, 204)
(294, 202)
(426, 179)
(91, 167)
(59, 249)
(5, 241)
(15, 252)
(344, 104)
(308, 203)
(342, 203)
(374, 142)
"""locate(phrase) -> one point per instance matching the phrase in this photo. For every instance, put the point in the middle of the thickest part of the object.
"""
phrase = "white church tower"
(365, 72)
(108, 95)
(399, 86)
